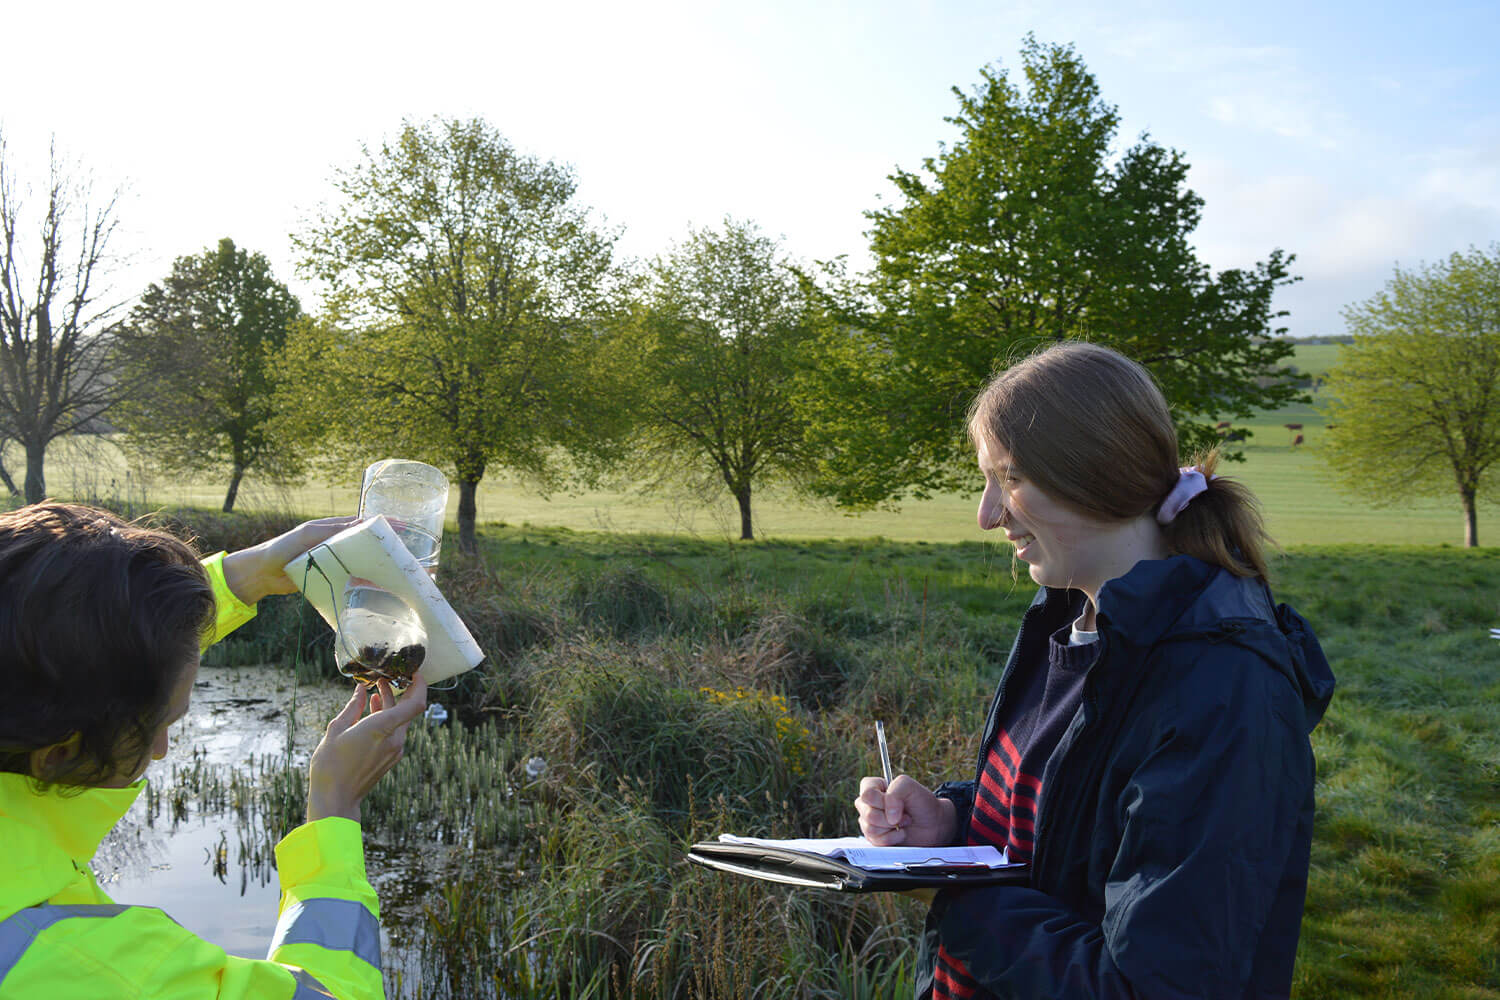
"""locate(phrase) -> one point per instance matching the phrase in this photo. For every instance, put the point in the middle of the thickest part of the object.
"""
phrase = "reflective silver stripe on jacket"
(337, 924)
(17, 932)
(309, 988)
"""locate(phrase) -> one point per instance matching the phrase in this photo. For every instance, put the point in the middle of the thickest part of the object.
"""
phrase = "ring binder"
(810, 869)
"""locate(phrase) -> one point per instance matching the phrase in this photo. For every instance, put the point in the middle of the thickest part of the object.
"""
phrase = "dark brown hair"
(1091, 428)
(98, 619)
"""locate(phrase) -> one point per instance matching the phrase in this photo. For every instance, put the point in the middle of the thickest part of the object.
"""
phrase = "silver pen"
(885, 753)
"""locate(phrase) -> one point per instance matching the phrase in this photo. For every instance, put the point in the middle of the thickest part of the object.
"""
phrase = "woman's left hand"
(356, 752)
(260, 570)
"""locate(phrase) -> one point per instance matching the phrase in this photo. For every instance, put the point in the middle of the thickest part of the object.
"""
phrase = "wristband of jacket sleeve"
(328, 852)
(231, 612)
(329, 918)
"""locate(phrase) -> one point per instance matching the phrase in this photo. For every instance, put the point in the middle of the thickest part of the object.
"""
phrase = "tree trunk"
(10, 483)
(36, 480)
(747, 530)
(468, 543)
(1471, 521)
(234, 487)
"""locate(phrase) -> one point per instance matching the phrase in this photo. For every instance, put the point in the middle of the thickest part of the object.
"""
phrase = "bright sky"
(1355, 135)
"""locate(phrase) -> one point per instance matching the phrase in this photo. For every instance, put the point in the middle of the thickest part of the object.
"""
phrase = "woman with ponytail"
(1147, 750)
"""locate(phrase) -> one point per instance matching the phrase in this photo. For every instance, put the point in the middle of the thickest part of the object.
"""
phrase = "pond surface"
(210, 871)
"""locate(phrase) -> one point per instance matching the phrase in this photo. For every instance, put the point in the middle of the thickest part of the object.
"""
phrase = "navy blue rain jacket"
(1175, 821)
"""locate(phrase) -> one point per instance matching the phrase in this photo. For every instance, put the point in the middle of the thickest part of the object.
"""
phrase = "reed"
(456, 786)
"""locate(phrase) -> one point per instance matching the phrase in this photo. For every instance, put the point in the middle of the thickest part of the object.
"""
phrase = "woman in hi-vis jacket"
(101, 625)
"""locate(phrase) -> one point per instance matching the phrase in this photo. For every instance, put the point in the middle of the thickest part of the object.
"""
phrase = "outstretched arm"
(240, 579)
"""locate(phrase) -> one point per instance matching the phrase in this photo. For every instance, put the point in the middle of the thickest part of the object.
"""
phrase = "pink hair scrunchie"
(1190, 482)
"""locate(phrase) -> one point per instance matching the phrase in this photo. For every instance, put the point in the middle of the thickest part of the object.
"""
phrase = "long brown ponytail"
(1221, 525)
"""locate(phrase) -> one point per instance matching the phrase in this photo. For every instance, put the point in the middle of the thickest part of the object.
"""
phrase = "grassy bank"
(644, 692)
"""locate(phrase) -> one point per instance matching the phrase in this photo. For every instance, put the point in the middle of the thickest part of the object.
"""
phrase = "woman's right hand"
(355, 753)
(258, 571)
(906, 814)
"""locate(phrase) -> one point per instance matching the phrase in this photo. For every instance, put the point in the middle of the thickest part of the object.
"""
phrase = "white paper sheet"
(859, 851)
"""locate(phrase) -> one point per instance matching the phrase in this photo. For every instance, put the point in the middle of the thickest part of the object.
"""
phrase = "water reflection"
(211, 868)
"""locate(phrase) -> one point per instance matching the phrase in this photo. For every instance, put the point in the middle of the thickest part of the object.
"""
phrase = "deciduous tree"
(465, 286)
(716, 346)
(56, 366)
(1030, 228)
(205, 339)
(1414, 402)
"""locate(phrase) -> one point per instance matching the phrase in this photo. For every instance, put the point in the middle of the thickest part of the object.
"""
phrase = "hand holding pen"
(900, 811)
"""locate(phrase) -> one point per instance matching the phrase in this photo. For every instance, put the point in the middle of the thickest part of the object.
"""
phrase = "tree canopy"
(714, 351)
(1414, 404)
(465, 289)
(1029, 228)
(206, 338)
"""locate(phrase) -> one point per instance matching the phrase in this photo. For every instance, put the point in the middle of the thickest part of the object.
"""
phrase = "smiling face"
(1059, 546)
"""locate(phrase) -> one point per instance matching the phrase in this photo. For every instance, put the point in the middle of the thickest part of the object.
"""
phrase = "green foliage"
(507, 614)
(201, 345)
(453, 785)
(465, 287)
(622, 601)
(609, 713)
(1030, 229)
(712, 353)
(1415, 400)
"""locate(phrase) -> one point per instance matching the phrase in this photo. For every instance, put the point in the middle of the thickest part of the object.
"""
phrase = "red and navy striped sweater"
(1041, 700)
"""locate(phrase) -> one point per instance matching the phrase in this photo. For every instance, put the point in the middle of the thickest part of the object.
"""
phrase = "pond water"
(210, 870)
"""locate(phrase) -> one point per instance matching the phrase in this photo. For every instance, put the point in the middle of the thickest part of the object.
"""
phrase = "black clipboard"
(818, 871)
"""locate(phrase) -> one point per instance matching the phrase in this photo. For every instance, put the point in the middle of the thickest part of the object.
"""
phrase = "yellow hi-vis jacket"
(62, 938)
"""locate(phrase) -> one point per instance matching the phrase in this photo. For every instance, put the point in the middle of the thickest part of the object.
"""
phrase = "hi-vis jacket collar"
(77, 818)
(51, 836)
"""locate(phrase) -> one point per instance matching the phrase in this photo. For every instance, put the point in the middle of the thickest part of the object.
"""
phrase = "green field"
(1316, 359)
